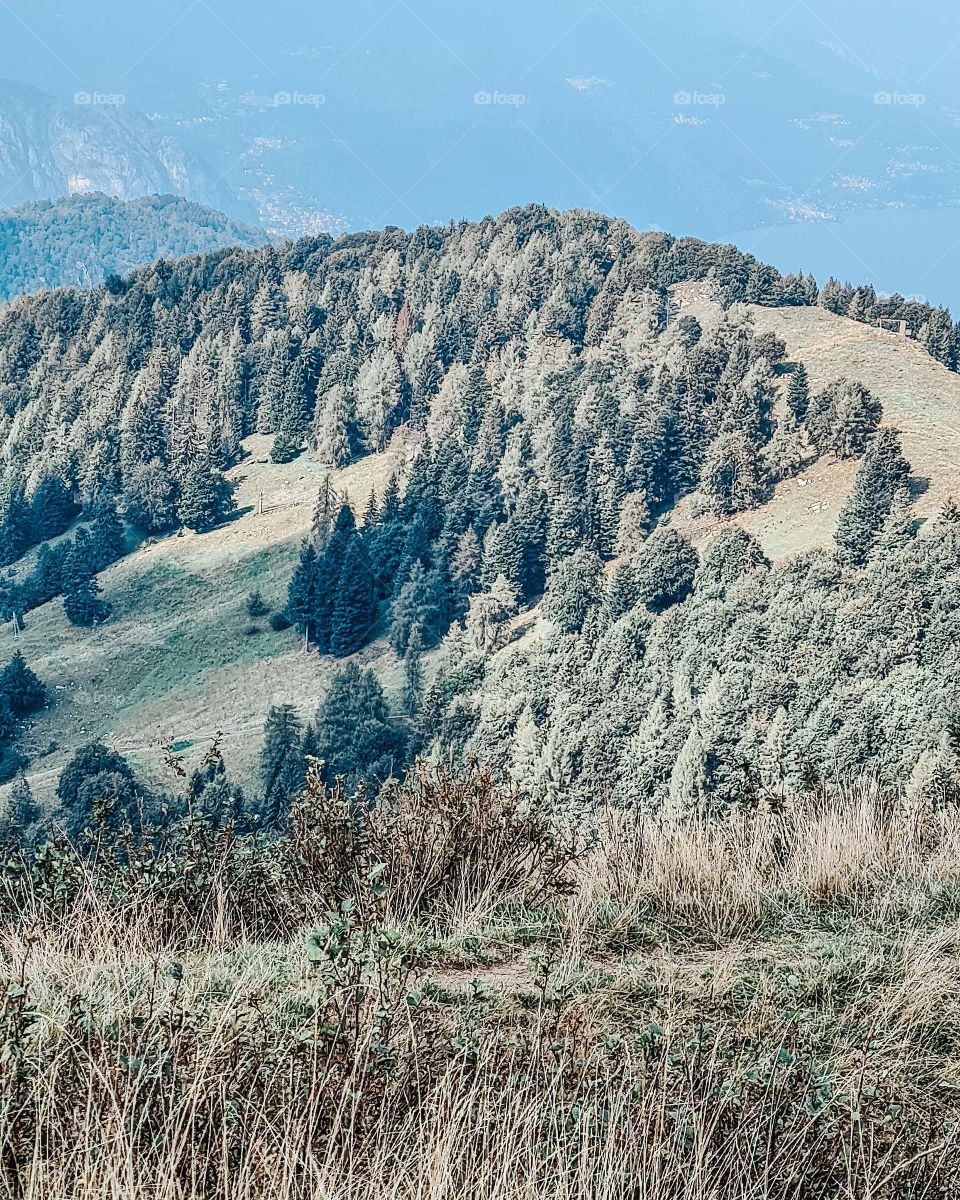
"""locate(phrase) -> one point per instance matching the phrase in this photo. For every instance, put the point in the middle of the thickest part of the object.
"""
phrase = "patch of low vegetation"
(460, 990)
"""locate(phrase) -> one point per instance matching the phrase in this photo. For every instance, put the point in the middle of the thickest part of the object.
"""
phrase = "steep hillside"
(80, 240)
(175, 666)
(920, 397)
(50, 149)
(550, 436)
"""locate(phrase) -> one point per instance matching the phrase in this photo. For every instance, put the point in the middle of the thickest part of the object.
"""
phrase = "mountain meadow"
(478, 717)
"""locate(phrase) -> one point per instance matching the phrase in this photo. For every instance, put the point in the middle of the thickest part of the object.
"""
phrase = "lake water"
(914, 251)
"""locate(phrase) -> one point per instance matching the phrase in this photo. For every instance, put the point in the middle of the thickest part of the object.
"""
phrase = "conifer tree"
(354, 605)
(97, 793)
(23, 812)
(798, 391)
(282, 764)
(206, 498)
(302, 593)
(356, 736)
(666, 568)
(882, 474)
(81, 591)
(22, 689)
(107, 536)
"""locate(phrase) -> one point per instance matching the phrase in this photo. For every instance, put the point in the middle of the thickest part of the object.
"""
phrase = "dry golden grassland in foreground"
(454, 995)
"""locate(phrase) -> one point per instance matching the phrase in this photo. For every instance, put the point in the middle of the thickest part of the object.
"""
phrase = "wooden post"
(260, 503)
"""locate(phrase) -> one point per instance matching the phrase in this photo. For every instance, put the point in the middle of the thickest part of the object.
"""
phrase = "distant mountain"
(79, 240)
(95, 144)
(702, 118)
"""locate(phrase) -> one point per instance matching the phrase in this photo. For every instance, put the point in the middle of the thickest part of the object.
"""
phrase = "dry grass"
(767, 1007)
(173, 665)
(920, 397)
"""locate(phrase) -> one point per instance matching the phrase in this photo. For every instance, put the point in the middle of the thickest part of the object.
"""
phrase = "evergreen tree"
(97, 792)
(798, 391)
(24, 692)
(107, 536)
(842, 419)
(354, 605)
(23, 812)
(302, 593)
(282, 765)
(81, 591)
(206, 498)
(733, 476)
(356, 736)
(666, 567)
(883, 473)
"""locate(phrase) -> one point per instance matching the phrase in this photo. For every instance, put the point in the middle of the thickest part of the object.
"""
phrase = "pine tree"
(413, 676)
(282, 764)
(206, 498)
(883, 473)
(666, 568)
(331, 430)
(354, 605)
(97, 793)
(107, 536)
(23, 812)
(733, 476)
(574, 589)
(302, 592)
(798, 391)
(81, 591)
(22, 689)
(356, 735)
(842, 419)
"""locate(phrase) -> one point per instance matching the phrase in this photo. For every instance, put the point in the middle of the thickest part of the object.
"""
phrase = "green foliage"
(357, 739)
(883, 473)
(283, 767)
(256, 607)
(206, 498)
(89, 239)
(842, 419)
(98, 795)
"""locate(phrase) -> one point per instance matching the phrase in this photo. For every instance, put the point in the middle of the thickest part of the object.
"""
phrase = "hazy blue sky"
(694, 116)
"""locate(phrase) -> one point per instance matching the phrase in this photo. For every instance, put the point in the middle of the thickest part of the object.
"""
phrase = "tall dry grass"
(450, 997)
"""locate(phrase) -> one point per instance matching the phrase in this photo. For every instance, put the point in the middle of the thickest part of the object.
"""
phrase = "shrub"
(256, 607)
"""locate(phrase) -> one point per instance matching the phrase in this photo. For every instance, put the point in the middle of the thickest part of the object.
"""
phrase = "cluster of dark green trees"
(354, 736)
(69, 567)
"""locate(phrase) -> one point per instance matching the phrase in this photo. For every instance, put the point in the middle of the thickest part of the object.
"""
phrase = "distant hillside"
(49, 149)
(80, 240)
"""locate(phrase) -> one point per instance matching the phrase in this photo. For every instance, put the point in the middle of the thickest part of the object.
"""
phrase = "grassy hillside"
(920, 397)
(174, 665)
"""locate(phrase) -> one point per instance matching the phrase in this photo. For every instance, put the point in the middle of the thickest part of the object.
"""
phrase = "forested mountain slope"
(545, 434)
(80, 240)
